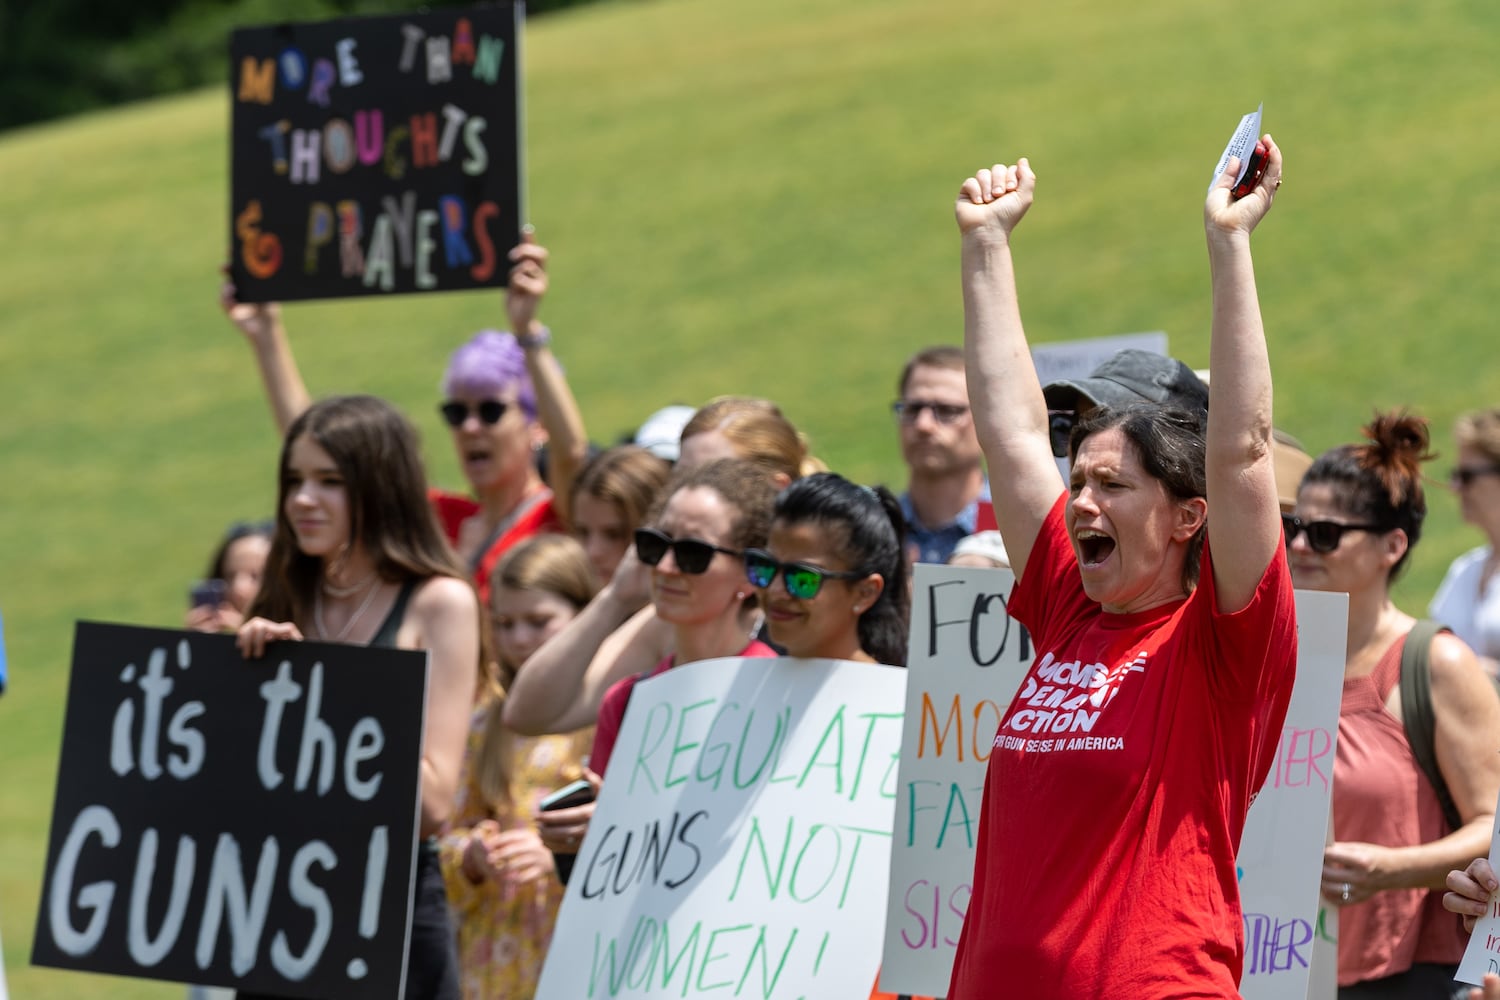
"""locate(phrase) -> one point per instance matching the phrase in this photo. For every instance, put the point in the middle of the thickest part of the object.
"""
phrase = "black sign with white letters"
(238, 823)
(375, 155)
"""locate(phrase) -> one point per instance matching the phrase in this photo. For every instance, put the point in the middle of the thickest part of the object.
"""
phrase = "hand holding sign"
(528, 284)
(1474, 895)
(275, 811)
(257, 633)
(1470, 891)
(256, 320)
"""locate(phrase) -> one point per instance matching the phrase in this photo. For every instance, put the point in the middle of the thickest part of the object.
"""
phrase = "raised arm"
(260, 322)
(1010, 414)
(1244, 526)
(557, 690)
(557, 410)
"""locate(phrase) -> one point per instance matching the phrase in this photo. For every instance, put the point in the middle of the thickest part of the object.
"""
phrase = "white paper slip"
(1240, 144)
(1483, 953)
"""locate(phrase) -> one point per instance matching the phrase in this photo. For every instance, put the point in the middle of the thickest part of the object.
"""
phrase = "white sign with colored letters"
(741, 842)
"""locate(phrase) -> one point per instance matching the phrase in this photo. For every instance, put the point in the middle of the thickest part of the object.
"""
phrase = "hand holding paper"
(1473, 895)
(1226, 215)
(1470, 891)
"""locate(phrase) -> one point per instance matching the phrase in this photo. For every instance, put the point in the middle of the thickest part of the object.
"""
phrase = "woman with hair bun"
(832, 577)
(1359, 513)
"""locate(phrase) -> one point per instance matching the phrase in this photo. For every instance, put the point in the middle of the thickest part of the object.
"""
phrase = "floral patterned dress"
(504, 927)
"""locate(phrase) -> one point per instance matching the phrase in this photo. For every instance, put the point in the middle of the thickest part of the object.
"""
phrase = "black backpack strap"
(1416, 711)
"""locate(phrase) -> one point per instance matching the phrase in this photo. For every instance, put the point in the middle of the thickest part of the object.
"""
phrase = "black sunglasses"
(1322, 536)
(455, 413)
(802, 581)
(692, 554)
(909, 411)
(1466, 474)
(1059, 430)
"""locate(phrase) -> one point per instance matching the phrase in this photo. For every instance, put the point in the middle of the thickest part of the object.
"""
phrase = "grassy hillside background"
(751, 198)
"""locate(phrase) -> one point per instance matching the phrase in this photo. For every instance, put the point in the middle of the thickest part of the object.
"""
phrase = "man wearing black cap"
(1129, 376)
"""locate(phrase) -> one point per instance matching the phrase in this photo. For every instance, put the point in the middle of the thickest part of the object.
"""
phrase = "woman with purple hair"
(504, 396)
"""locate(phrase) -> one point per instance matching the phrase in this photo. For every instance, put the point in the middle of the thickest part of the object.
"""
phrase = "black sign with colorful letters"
(236, 823)
(375, 155)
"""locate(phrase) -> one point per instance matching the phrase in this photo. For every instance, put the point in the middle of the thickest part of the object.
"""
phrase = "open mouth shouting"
(1094, 547)
(477, 459)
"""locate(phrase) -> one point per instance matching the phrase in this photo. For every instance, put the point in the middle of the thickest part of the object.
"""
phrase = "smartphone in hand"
(1253, 174)
(207, 593)
(577, 793)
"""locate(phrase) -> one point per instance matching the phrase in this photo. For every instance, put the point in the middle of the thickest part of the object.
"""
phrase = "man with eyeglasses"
(946, 493)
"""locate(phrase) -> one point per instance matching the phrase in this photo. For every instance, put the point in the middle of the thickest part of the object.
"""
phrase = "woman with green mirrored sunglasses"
(832, 577)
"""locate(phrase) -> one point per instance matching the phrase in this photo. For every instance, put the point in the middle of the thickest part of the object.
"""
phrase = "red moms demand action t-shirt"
(1117, 790)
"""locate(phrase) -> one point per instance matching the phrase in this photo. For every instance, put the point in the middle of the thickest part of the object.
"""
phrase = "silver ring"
(1344, 892)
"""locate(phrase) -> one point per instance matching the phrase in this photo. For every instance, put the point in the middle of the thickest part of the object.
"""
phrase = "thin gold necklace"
(338, 593)
(348, 625)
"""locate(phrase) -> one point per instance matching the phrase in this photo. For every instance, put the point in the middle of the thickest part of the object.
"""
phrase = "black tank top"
(386, 634)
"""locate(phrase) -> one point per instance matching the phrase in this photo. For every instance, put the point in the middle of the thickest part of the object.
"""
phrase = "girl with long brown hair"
(357, 557)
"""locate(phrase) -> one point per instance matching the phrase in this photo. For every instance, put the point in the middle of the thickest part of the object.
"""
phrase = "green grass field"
(746, 198)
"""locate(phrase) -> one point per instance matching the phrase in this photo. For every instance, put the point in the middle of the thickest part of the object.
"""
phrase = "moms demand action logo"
(1066, 697)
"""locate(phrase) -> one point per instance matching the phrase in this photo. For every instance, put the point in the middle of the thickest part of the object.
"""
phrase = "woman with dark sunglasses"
(619, 634)
(1124, 767)
(1359, 514)
(1468, 599)
(504, 397)
(695, 547)
(832, 578)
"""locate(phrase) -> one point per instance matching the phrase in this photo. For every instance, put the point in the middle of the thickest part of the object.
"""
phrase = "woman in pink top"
(1156, 593)
(1359, 513)
(695, 545)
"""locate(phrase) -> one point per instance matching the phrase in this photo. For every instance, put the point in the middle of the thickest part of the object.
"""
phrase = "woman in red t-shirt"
(1359, 513)
(1120, 777)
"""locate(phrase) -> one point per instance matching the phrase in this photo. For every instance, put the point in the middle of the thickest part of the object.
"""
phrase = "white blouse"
(1460, 603)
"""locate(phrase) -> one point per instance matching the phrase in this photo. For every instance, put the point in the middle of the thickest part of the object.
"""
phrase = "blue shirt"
(935, 545)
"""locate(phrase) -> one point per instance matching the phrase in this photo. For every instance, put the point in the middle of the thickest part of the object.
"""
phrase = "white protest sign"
(4, 993)
(1281, 852)
(1483, 953)
(741, 840)
(1241, 144)
(1078, 358)
(1323, 977)
(965, 660)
